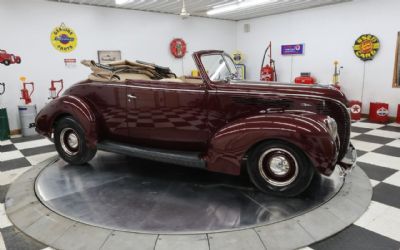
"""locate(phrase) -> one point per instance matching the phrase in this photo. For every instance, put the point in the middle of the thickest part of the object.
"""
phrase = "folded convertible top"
(121, 70)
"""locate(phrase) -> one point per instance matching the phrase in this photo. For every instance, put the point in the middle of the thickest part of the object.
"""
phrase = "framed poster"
(396, 74)
(108, 56)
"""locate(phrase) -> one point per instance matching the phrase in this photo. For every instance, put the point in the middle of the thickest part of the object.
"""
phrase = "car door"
(218, 70)
(109, 100)
(169, 115)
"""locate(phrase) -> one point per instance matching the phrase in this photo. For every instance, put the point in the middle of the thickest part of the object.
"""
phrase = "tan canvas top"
(123, 70)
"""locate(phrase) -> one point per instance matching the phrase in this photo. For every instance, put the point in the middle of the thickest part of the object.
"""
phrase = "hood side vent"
(265, 103)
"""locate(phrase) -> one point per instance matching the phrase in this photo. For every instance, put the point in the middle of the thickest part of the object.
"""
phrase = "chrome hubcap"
(72, 140)
(278, 167)
(69, 141)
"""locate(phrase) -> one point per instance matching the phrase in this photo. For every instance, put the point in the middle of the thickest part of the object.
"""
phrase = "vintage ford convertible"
(281, 134)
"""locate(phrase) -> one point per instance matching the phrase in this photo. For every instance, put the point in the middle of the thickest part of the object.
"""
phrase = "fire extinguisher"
(268, 72)
(53, 90)
(26, 96)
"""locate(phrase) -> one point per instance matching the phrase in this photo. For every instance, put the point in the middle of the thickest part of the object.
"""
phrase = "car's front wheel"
(279, 168)
(69, 139)
(6, 62)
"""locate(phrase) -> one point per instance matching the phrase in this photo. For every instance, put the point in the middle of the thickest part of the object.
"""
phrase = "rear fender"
(68, 106)
(229, 146)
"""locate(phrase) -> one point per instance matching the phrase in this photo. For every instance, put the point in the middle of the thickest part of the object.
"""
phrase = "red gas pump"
(26, 96)
(268, 72)
(53, 90)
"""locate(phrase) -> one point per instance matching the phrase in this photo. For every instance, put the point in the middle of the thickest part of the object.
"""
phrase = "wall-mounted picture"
(108, 56)
(9, 58)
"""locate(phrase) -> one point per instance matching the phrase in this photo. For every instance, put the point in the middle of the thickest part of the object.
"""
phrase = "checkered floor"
(378, 155)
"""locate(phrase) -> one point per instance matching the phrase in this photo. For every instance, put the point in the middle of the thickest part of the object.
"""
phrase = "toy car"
(281, 134)
(8, 59)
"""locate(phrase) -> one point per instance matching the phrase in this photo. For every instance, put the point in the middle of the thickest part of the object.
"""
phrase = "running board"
(188, 159)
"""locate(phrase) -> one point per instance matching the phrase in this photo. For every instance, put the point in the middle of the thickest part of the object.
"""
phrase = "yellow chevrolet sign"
(64, 39)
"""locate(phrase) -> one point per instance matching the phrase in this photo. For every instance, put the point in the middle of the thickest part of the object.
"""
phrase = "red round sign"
(178, 48)
(355, 109)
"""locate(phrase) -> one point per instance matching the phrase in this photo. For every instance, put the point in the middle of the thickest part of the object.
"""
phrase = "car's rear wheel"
(279, 168)
(70, 142)
(6, 62)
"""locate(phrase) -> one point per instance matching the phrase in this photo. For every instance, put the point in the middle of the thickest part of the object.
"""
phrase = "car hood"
(286, 89)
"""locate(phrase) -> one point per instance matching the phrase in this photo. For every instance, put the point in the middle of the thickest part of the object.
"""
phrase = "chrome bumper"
(349, 160)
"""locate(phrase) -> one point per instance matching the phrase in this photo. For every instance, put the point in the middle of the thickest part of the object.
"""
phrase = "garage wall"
(26, 27)
(329, 33)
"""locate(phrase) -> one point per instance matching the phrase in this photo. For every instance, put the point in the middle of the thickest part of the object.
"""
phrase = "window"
(219, 67)
(396, 77)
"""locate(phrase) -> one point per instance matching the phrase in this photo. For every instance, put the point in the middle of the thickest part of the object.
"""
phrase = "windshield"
(219, 67)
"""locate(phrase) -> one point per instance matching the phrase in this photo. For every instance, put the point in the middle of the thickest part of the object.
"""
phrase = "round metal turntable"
(122, 203)
(129, 194)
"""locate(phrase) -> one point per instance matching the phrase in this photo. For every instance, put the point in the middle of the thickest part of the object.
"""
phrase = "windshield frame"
(225, 57)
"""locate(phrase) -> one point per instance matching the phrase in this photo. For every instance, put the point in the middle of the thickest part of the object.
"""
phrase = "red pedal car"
(281, 134)
(8, 59)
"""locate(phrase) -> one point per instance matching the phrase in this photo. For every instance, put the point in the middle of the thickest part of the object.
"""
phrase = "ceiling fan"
(184, 14)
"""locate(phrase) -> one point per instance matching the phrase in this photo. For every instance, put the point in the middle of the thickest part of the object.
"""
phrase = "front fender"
(68, 106)
(230, 145)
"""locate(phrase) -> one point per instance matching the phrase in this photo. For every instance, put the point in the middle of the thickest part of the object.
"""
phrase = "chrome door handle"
(131, 96)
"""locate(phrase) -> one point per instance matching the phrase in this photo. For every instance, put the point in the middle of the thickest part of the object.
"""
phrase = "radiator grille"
(322, 108)
(340, 114)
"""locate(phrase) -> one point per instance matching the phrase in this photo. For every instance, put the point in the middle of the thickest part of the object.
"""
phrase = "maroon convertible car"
(281, 134)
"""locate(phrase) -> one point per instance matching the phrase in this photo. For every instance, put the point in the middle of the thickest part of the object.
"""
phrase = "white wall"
(26, 26)
(329, 34)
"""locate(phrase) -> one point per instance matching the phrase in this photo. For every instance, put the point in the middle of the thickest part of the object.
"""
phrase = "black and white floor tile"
(378, 147)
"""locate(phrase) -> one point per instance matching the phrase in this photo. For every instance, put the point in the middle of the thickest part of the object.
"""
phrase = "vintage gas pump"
(27, 112)
(268, 72)
(336, 75)
(25, 95)
(53, 90)
(4, 127)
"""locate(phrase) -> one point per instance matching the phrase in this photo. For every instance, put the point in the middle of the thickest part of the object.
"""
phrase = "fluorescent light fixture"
(122, 2)
(237, 6)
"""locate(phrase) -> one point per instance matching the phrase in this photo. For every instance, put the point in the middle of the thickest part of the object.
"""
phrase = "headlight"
(332, 126)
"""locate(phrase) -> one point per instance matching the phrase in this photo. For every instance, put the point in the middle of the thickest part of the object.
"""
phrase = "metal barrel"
(4, 127)
(27, 114)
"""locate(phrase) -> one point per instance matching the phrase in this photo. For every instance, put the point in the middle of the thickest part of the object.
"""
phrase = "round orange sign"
(366, 47)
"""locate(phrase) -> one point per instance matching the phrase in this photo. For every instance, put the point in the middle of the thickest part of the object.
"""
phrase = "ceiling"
(200, 7)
